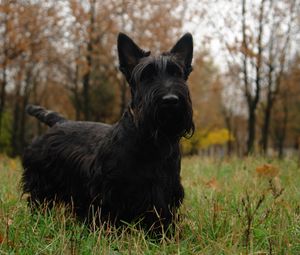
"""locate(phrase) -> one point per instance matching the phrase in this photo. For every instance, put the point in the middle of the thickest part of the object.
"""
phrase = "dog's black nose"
(170, 99)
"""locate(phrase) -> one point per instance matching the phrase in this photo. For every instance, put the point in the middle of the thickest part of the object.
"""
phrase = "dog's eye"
(174, 70)
(148, 72)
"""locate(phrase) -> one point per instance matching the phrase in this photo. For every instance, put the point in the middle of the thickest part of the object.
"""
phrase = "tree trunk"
(275, 84)
(229, 145)
(89, 58)
(77, 102)
(270, 101)
(2, 97)
(86, 88)
(4, 75)
(86, 97)
(252, 100)
(282, 134)
(22, 133)
(227, 119)
(23, 119)
(37, 101)
(247, 92)
(3, 86)
(266, 126)
(15, 123)
(251, 129)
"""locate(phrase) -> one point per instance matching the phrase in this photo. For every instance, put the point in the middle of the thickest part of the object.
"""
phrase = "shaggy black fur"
(127, 171)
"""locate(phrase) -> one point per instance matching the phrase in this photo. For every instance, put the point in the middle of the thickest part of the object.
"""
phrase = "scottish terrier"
(129, 171)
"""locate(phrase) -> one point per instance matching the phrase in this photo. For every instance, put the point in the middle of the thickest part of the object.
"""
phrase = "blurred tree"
(286, 115)
(206, 91)
(256, 37)
(94, 29)
(60, 54)
(91, 36)
(281, 22)
(5, 137)
(11, 47)
(254, 58)
(30, 39)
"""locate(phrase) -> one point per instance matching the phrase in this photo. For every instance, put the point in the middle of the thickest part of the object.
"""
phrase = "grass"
(249, 206)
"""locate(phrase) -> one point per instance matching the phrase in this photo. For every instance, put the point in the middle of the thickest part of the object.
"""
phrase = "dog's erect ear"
(129, 54)
(183, 50)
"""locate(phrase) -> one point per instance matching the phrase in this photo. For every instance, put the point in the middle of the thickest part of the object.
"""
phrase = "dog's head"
(161, 101)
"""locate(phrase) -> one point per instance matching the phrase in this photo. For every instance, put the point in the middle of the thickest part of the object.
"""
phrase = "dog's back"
(60, 159)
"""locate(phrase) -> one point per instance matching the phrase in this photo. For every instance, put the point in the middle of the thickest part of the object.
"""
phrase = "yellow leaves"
(267, 170)
(203, 139)
(190, 146)
(216, 137)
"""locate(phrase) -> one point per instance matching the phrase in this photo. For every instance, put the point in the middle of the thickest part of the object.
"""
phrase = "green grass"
(231, 207)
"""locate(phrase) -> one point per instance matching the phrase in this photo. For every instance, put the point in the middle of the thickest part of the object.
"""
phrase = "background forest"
(245, 85)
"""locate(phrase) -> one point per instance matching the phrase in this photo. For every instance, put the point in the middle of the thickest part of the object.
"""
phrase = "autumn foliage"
(244, 86)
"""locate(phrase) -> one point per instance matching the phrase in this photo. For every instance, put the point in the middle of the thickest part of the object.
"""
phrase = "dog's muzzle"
(170, 112)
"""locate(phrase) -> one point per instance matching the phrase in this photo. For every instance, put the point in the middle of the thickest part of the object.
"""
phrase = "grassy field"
(249, 206)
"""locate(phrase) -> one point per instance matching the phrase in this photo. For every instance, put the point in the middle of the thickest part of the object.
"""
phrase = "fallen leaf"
(213, 184)
(267, 170)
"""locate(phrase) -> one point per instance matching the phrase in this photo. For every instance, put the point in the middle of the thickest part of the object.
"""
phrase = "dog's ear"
(129, 55)
(183, 50)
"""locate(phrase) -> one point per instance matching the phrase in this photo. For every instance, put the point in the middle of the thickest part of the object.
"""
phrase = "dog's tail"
(50, 118)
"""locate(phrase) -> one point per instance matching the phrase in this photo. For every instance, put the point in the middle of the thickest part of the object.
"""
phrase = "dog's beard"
(172, 122)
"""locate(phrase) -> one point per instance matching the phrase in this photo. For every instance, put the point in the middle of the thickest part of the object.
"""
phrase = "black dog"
(127, 171)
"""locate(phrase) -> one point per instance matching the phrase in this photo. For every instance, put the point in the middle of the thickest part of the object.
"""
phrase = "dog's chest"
(147, 169)
(146, 182)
